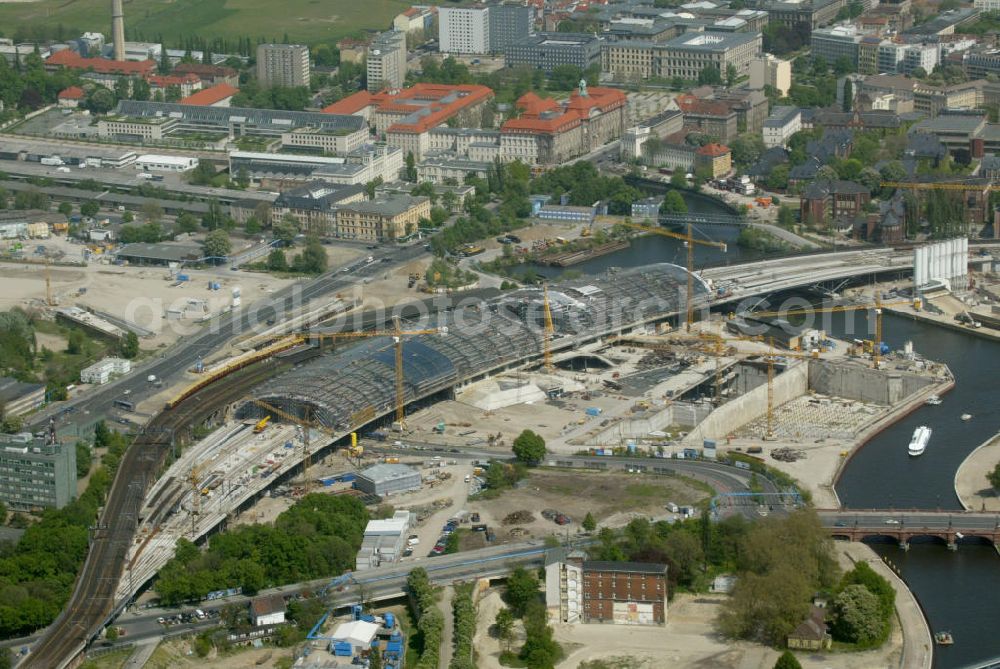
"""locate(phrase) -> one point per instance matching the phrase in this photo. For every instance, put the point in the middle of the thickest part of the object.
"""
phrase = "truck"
(52, 161)
(151, 378)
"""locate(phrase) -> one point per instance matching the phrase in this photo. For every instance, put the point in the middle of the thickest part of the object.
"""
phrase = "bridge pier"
(904, 544)
(953, 545)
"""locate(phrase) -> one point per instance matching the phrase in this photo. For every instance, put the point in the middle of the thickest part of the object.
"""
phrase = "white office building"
(781, 125)
(384, 541)
(464, 30)
(102, 371)
(151, 162)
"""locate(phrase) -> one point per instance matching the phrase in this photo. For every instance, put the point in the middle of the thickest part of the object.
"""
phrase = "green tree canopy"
(521, 590)
(856, 616)
(787, 661)
(529, 447)
(216, 244)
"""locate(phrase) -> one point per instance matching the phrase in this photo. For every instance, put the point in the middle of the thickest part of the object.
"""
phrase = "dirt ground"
(177, 654)
(141, 294)
(613, 498)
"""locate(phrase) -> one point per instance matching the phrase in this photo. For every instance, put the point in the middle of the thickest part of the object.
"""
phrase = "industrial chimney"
(118, 28)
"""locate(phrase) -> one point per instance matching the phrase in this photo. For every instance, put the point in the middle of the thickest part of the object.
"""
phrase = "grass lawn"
(307, 21)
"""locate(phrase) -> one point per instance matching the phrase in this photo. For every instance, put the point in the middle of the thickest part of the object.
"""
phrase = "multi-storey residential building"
(508, 24)
(620, 593)
(687, 55)
(768, 70)
(781, 125)
(35, 474)
(868, 50)
(387, 61)
(544, 51)
(464, 29)
(415, 19)
(283, 65)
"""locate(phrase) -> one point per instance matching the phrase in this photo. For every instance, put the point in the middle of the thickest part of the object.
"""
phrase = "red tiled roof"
(204, 70)
(211, 95)
(692, 105)
(417, 97)
(164, 80)
(73, 60)
(713, 150)
(578, 108)
(352, 104)
(71, 93)
(412, 11)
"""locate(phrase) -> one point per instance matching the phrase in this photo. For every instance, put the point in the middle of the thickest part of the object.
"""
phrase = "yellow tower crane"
(771, 356)
(691, 240)
(549, 329)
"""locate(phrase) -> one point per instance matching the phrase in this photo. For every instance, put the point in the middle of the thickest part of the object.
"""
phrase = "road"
(384, 583)
(893, 520)
(171, 366)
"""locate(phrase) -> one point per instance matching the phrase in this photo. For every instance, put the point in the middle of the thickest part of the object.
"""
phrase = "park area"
(307, 21)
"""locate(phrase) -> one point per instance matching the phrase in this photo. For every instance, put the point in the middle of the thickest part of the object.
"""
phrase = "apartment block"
(387, 61)
(283, 65)
(768, 70)
(508, 24)
(781, 125)
(464, 30)
(34, 474)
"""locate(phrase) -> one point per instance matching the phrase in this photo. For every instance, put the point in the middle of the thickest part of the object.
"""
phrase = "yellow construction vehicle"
(261, 424)
(690, 240)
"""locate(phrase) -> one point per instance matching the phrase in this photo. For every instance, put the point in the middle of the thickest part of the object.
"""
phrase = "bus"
(124, 404)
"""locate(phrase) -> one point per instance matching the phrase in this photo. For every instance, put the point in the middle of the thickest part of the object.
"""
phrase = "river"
(954, 588)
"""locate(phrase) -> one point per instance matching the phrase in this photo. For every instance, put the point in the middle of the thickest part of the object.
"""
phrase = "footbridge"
(903, 526)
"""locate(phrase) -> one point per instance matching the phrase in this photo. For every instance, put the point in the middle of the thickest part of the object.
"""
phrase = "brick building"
(620, 593)
(826, 201)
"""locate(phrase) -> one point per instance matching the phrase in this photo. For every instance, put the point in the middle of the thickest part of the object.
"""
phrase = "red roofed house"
(713, 118)
(220, 95)
(187, 83)
(407, 117)
(209, 74)
(714, 157)
(71, 97)
(549, 133)
(122, 68)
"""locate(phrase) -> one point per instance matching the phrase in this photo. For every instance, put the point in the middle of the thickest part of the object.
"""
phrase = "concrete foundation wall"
(863, 384)
(787, 386)
(684, 415)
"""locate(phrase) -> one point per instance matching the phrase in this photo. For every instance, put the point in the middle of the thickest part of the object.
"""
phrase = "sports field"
(309, 21)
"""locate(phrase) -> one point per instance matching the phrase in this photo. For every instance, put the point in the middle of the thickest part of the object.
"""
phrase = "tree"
(252, 226)
(84, 458)
(286, 230)
(848, 94)
(371, 186)
(678, 179)
(856, 616)
(747, 149)
(216, 244)
(787, 661)
(505, 626)
(152, 211)
(827, 173)
(276, 261)
(66, 209)
(130, 345)
(731, 75)
(411, 168)
(786, 216)
(89, 208)
(100, 100)
(128, 217)
(589, 524)
(710, 76)
(172, 93)
(540, 650)
(187, 222)
(673, 203)
(76, 342)
(529, 447)
(994, 477)
(313, 259)
(521, 590)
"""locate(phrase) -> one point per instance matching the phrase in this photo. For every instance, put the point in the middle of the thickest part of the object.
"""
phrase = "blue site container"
(631, 448)
(374, 643)
(389, 621)
(347, 478)
(356, 612)
(593, 411)
(368, 618)
(394, 647)
(396, 636)
(341, 649)
(183, 277)
(690, 453)
(708, 443)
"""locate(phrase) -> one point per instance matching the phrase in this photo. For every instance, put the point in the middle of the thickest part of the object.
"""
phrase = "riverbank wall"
(942, 321)
(970, 478)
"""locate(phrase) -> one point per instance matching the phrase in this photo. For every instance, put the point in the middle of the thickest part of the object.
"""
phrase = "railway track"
(92, 601)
